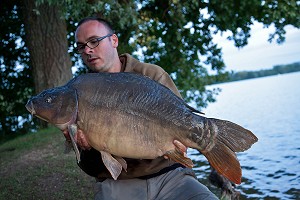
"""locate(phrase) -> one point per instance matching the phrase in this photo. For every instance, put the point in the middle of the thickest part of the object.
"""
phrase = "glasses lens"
(80, 48)
(93, 43)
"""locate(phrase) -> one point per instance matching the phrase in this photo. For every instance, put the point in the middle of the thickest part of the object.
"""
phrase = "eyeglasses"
(93, 43)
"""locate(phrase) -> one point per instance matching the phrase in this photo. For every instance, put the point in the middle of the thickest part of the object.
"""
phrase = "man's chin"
(95, 68)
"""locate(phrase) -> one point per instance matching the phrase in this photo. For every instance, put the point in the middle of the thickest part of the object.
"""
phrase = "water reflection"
(270, 108)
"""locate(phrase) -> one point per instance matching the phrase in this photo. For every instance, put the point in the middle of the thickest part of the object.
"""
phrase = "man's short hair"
(100, 20)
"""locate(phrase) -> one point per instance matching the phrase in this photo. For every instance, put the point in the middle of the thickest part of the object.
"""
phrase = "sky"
(259, 53)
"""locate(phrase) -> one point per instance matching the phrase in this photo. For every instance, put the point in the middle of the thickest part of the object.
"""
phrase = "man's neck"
(116, 68)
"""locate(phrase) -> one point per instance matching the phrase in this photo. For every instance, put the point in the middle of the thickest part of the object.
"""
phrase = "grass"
(34, 166)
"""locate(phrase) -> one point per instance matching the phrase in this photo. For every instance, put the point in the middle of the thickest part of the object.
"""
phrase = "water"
(270, 108)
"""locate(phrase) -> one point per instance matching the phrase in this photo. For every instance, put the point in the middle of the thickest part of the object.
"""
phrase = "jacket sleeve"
(91, 162)
(166, 80)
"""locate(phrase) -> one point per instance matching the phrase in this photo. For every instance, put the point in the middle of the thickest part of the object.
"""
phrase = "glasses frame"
(80, 49)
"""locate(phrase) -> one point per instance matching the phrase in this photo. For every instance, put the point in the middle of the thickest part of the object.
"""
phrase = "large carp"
(129, 115)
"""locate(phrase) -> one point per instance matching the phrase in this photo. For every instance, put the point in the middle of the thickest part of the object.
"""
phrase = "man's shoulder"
(134, 65)
(152, 71)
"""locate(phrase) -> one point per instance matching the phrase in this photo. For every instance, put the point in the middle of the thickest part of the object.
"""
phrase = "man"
(160, 178)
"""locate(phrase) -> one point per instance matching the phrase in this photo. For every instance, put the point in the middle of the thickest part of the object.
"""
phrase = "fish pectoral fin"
(180, 157)
(72, 131)
(122, 162)
(113, 165)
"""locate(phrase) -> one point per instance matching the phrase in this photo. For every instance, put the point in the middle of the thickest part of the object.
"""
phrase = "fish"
(127, 115)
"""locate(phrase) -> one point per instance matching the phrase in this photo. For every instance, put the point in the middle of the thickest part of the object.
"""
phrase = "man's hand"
(180, 147)
(80, 139)
(67, 135)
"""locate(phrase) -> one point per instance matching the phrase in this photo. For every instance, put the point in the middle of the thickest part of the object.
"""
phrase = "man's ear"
(115, 40)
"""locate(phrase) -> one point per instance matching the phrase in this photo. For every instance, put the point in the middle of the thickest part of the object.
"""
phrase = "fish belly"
(127, 135)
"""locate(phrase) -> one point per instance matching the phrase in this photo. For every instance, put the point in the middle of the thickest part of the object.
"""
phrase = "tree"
(16, 84)
(46, 34)
(176, 35)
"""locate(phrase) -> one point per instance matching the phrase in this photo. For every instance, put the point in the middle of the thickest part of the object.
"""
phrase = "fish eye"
(48, 100)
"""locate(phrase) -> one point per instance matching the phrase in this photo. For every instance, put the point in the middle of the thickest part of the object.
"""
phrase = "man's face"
(100, 58)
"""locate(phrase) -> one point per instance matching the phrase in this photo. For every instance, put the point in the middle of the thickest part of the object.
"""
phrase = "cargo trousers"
(178, 184)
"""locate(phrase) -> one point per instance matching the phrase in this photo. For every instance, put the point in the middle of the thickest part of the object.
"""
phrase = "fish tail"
(218, 140)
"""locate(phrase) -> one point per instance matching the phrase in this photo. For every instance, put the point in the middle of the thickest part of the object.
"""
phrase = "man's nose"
(87, 49)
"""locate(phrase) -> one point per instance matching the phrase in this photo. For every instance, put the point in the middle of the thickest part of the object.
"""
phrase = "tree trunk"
(46, 39)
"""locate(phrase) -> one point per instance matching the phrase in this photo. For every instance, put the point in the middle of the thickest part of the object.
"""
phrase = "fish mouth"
(30, 108)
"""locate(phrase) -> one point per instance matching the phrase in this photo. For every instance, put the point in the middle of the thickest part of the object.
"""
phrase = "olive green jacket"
(130, 64)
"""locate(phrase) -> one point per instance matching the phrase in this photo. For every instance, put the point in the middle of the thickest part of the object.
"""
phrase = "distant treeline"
(278, 69)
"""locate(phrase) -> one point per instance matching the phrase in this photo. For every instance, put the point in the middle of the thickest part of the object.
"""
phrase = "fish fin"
(122, 162)
(220, 141)
(225, 162)
(179, 156)
(193, 109)
(234, 136)
(72, 131)
(113, 166)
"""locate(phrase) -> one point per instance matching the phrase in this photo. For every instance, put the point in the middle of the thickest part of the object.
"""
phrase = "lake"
(270, 108)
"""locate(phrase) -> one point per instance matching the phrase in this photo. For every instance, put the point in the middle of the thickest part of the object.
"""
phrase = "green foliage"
(173, 34)
(177, 35)
(278, 69)
(16, 84)
(279, 13)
